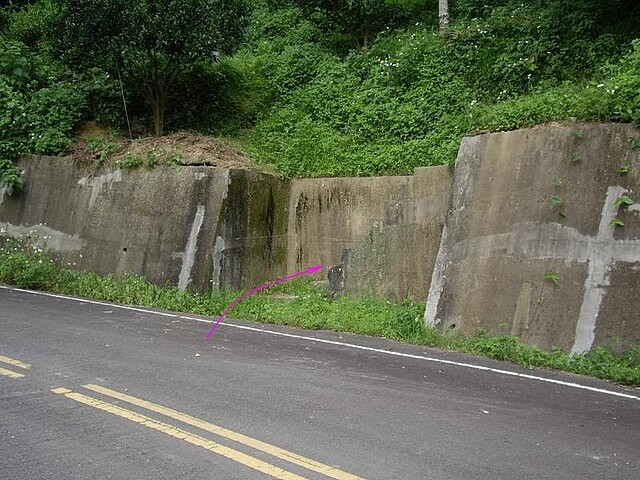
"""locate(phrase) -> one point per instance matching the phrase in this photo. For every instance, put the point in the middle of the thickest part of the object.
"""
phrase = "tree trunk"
(443, 10)
(157, 90)
(158, 102)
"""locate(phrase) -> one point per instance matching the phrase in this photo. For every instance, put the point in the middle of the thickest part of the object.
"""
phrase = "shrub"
(40, 109)
(624, 86)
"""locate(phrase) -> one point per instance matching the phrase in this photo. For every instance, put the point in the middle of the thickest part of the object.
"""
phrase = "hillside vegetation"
(312, 87)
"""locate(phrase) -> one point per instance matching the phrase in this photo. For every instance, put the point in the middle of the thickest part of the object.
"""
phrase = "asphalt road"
(96, 391)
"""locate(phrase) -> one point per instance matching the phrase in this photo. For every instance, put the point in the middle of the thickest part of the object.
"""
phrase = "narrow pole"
(443, 11)
(124, 102)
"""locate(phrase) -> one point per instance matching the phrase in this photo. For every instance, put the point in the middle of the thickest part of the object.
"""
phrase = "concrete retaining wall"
(377, 236)
(529, 246)
(194, 227)
(204, 227)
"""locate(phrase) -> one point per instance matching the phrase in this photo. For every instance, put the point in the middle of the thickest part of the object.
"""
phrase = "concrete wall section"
(188, 227)
(250, 243)
(529, 246)
(376, 236)
(202, 227)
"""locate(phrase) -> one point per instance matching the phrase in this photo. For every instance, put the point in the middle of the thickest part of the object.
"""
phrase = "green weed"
(625, 200)
(553, 277)
(130, 160)
(102, 147)
(556, 201)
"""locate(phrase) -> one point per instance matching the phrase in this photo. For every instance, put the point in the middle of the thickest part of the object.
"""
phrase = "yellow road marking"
(227, 452)
(10, 373)
(278, 452)
(14, 362)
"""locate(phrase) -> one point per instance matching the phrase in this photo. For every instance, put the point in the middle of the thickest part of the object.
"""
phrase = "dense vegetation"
(316, 87)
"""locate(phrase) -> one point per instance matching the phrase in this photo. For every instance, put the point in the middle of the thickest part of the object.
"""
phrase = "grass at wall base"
(24, 264)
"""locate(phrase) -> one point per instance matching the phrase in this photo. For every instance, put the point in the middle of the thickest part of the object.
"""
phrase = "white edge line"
(332, 342)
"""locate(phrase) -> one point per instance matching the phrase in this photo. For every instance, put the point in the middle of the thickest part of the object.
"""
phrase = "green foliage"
(10, 178)
(623, 200)
(213, 98)
(553, 277)
(104, 98)
(30, 22)
(408, 99)
(624, 84)
(616, 222)
(360, 21)
(54, 111)
(40, 109)
(131, 160)
(301, 96)
(27, 265)
(365, 115)
(103, 147)
(149, 44)
(556, 201)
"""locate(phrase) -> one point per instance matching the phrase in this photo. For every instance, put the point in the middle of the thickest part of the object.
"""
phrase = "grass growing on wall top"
(301, 304)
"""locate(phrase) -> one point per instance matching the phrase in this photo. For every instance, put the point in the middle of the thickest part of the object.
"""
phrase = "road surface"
(90, 390)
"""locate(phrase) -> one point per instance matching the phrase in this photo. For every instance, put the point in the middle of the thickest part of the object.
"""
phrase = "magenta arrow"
(308, 271)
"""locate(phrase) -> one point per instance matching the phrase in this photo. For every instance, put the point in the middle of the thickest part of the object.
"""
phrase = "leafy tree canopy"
(363, 20)
(149, 43)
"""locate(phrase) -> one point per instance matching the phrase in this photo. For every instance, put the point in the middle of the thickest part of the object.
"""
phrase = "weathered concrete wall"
(194, 227)
(376, 236)
(203, 227)
(504, 241)
(510, 260)
(250, 245)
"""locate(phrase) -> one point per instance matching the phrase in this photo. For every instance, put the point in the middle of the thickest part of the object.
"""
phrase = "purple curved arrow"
(308, 271)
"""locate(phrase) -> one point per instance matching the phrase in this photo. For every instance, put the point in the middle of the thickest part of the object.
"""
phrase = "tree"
(362, 20)
(149, 44)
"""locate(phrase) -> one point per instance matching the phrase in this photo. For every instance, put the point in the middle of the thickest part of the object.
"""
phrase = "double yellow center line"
(16, 363)
(230, 453)
(179, 433)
